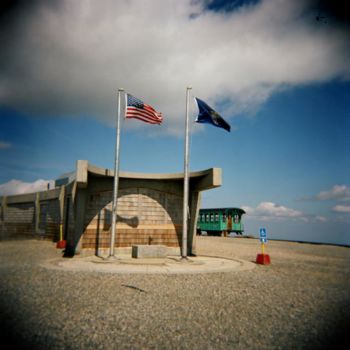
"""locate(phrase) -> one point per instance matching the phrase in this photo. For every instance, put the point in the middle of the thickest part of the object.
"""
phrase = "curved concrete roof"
(154, 176)
(206, 179)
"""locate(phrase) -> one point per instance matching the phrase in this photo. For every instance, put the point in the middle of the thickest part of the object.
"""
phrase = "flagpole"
(116, 180)
(186, 161)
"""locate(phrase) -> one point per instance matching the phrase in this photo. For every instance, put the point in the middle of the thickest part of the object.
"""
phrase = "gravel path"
(300, 301)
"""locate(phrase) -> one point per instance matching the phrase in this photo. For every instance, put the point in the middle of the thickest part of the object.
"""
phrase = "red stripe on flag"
(144, 116)
(134, 110)
(150, 116)
(145, 120)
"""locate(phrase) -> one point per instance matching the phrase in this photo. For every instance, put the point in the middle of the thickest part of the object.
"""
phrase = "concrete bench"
(149, 251)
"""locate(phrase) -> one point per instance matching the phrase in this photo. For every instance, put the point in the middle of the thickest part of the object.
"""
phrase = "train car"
(220, 221)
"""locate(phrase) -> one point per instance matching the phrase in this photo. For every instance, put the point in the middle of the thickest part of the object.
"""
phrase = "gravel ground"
(300, 301)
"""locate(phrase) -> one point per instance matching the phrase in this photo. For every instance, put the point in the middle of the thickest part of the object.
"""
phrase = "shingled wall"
(31, 215)
(19, 218)
(144, 216)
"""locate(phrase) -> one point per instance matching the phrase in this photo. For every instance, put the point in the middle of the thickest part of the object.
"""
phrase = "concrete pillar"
(37, 213)
(74, 240)
(61, 199)
(3, 208)
(3, 216)
(194, 210)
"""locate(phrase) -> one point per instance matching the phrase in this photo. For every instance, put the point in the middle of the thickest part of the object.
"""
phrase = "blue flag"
(208, 115)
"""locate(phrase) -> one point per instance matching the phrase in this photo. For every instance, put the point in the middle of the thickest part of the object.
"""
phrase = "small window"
(224, 217)
(216, 217)
(207, 218)
(211, 217)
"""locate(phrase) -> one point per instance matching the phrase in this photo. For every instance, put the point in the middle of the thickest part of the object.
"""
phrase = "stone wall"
(144, 216)
(35, 214)
(49, 223)
(19, 219)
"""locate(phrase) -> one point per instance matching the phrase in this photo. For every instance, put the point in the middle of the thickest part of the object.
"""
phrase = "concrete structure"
(149, 209)
(141, 251)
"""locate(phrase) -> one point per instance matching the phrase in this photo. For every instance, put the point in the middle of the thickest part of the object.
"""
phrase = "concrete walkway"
(124, 264)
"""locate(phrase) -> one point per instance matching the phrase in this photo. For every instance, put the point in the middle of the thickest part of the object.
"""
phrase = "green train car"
(220, 221)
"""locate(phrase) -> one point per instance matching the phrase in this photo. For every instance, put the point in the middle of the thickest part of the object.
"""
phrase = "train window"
(216, 217)
(224, 217)
(207, 218)
(236, 219)
(211, 217)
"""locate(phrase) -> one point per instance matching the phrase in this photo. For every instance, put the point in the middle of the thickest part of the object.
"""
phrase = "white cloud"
(272, 210)
(14, 187)
(269, 211)
(337, 192)
(73, 56)
(5, 145)
(321, 218)
(341, 209)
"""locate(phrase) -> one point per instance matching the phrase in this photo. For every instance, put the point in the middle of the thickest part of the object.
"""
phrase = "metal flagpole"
(185, 203)
(116, 180)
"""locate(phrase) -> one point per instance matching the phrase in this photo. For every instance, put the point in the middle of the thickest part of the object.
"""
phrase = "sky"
(276, 70)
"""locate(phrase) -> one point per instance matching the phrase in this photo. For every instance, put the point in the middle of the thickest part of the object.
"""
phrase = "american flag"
(135, 108)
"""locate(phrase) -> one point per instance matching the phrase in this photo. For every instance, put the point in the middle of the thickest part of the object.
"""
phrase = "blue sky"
(277, 75)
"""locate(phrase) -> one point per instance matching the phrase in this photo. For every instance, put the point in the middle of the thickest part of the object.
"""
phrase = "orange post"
(61, 244)
(263, 259)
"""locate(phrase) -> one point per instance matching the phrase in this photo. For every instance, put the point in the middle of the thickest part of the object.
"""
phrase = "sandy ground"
(300, 301)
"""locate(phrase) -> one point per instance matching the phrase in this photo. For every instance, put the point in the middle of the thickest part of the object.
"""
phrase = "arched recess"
(144, 216)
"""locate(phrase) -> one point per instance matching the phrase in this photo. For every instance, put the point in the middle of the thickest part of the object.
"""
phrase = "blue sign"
(263, 235)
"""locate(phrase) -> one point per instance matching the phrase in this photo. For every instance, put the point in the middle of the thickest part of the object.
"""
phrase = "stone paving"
(300, 301)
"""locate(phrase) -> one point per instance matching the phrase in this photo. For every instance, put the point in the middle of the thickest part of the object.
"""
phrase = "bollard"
(61, 244)
(263, 259)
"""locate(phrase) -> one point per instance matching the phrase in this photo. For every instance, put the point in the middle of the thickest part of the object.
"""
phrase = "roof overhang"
(200, 180)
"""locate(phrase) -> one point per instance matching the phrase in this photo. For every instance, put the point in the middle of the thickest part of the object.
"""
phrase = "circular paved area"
(170, 265)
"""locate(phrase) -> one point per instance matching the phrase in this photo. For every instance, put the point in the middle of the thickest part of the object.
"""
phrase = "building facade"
(149, 209)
